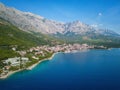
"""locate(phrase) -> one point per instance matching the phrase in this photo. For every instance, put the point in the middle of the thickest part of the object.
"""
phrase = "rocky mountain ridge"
(34, 23)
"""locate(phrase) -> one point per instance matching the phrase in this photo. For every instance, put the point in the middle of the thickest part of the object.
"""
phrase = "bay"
(85, 70)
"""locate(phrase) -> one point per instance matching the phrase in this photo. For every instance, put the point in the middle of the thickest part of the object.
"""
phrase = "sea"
(85, 70)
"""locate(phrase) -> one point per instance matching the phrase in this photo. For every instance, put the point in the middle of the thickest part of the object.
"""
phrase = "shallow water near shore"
(89, 70)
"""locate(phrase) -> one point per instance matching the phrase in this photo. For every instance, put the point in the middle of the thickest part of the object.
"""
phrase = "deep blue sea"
(88, 70)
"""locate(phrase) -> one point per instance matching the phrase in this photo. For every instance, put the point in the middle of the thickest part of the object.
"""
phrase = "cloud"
(94, 25)
(97, 25)
(99, 14)
(99, 17)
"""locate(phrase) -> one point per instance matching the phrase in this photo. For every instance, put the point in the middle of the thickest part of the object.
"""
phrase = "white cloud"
(99, 14)
(94, 25)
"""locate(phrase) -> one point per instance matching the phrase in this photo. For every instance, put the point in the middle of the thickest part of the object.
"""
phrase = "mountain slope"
(31, 22)
(28, 21)
(12, 37)
(71, 32)
(80, 28)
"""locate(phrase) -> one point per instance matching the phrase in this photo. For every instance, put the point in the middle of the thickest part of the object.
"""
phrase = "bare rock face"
(29, 22)
(34, 23)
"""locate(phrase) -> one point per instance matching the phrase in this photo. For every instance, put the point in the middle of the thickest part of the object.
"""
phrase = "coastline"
(34, 65)
(10, 73)
(29, 68)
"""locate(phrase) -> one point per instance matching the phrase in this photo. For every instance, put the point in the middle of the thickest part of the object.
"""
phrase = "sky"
(97, 13)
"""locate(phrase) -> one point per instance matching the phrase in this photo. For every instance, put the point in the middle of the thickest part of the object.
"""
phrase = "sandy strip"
(9, 73)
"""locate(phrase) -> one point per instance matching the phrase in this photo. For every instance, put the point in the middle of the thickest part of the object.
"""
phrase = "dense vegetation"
(91, 39)
(6, 53)
(11, 36)
(33, 61)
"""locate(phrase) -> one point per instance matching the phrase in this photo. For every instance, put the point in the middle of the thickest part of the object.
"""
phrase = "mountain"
(12, 37)
(31, 22)
(70, 32)
(28, 21)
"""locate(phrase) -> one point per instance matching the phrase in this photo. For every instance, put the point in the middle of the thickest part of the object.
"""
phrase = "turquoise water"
(89, 70)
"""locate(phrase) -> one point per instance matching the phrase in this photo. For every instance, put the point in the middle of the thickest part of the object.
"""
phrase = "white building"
(16, 61)
(13, 61)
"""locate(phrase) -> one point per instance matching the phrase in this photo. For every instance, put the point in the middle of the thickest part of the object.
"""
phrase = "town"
(33, 55)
